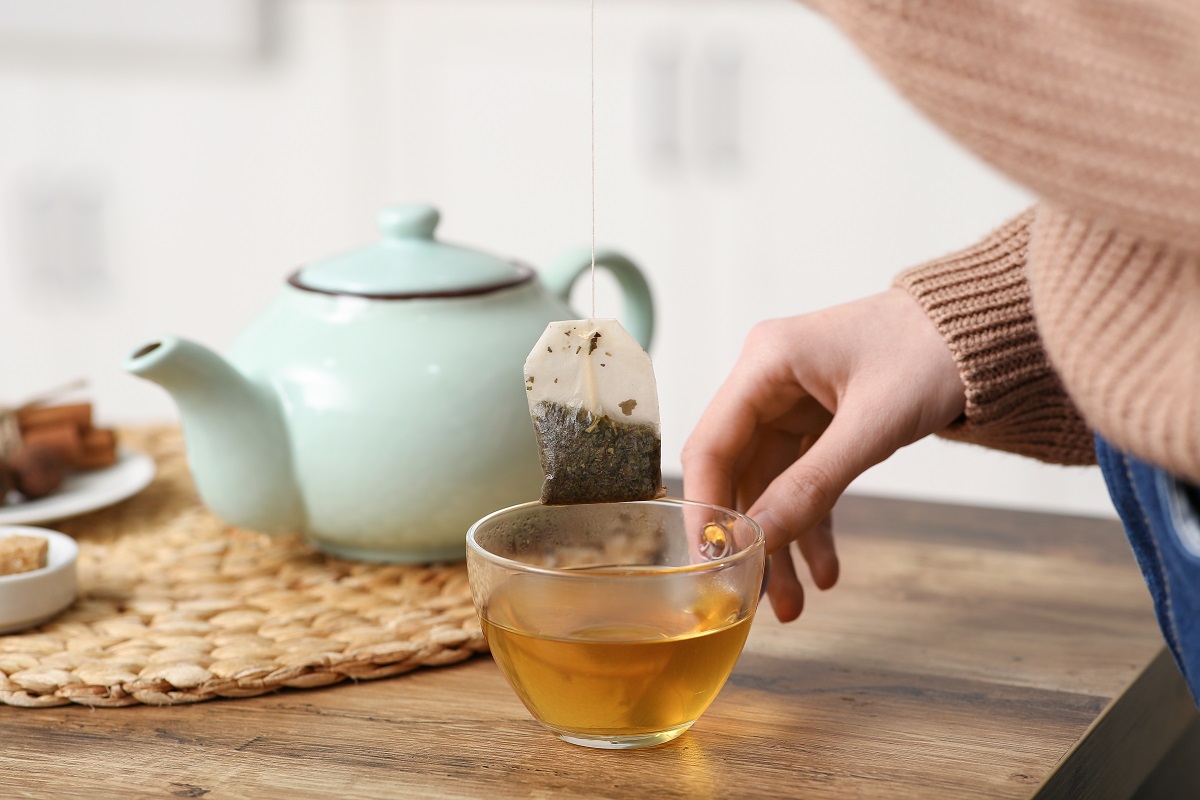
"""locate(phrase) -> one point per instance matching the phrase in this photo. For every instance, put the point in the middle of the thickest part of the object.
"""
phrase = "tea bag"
(594, 403)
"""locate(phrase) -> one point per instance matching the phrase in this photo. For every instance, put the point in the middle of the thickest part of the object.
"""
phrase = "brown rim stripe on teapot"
(524, 275)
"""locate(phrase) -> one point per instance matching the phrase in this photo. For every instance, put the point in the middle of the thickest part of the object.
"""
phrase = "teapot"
(378, 405)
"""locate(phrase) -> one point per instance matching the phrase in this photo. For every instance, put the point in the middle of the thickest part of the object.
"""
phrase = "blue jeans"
(1161, 515)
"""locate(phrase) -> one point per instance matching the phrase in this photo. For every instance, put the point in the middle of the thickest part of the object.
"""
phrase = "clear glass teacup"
(616, 623)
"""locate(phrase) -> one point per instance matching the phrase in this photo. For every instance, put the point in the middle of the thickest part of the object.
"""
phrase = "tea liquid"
(580, 665)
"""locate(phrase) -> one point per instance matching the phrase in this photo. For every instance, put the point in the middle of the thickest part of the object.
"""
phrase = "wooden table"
(966, 653)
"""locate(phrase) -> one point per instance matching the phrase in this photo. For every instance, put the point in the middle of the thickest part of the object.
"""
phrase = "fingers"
(777, 446)
(883, 370)
(713, 450)
(761, 398)
(773, 453)
(817, 548)
(708, 477)
(760, 422)
(784, 588)
(773, 456)
(725, 438)
(798, 503)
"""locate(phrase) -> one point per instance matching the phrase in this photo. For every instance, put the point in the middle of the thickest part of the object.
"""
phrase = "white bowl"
(31, 598)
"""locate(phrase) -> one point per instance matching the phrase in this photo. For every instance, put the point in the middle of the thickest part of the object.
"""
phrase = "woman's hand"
(813, 402)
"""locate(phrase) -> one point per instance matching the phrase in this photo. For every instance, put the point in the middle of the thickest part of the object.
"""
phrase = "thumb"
(797, 504)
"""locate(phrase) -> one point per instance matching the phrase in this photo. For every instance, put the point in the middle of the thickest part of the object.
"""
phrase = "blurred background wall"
(165, 163)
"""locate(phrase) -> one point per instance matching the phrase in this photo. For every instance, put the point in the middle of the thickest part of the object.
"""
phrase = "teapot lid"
(409, 263)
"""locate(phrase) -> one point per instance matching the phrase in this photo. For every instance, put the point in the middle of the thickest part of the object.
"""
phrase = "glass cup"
(616, 623)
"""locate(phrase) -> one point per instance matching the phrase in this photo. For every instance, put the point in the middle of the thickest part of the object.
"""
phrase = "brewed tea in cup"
(616, 623)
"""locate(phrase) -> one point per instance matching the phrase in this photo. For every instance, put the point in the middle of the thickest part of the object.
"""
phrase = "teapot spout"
(238, 447)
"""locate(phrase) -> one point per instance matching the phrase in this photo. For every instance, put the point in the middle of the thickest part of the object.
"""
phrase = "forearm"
(1093, 106)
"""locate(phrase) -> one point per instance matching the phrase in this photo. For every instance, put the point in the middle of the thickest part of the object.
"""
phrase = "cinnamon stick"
(99, 449)
(77, 414)
(63, 437)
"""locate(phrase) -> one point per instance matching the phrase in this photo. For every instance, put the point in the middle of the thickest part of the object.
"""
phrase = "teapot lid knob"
(408, 263)
(408, 222)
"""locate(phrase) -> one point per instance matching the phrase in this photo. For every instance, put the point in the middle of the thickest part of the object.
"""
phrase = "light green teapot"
(378, 406)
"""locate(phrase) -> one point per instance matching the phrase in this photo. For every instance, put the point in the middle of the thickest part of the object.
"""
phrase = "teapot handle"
(561, 275)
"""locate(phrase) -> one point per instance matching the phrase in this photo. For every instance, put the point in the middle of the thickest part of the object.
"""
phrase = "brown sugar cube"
(63, 437)
(22, 553)
(99, 449)
(38, 469)
(77, 414)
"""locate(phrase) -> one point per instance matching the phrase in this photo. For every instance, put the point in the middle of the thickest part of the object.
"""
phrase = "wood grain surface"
(965, 653)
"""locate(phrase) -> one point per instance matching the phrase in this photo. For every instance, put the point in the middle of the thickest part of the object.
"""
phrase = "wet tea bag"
(594, 403)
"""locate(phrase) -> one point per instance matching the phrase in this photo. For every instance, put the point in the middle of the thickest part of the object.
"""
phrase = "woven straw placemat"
(177, 607)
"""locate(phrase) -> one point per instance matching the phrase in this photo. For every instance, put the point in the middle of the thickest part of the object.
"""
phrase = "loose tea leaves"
(588, 459)
(594, 404)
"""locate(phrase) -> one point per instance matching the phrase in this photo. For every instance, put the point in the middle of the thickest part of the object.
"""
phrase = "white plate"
(84, 491)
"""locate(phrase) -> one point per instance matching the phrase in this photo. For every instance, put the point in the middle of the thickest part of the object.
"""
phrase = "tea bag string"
(10, 429)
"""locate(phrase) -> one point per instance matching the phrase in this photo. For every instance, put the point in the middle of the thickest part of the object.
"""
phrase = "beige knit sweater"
(1083, 313)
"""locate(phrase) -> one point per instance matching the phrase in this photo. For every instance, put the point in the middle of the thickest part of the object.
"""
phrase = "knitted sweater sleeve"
(980, 302)
(1094, 106)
